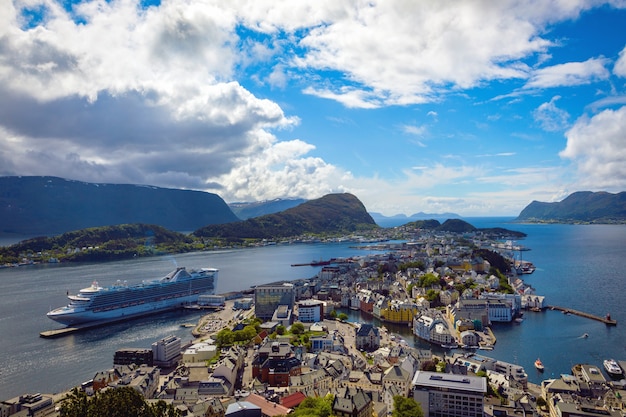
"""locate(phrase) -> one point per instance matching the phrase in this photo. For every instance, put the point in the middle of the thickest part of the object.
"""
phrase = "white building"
(310, 311)
(449, 395)
(433, 329)
(166, 351)
(199, 352)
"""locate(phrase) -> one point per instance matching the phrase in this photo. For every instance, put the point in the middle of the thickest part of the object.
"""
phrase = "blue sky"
(475, 107)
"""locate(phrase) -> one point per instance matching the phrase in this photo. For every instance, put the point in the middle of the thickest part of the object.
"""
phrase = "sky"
(472, 107)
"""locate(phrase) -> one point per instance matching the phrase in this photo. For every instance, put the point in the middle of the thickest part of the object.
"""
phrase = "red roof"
(293, 400)
(268, 408)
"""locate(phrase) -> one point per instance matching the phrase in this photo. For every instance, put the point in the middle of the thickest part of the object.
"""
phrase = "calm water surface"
(577, 266)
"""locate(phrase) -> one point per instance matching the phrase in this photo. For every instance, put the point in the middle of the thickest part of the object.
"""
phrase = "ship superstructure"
(101, 304)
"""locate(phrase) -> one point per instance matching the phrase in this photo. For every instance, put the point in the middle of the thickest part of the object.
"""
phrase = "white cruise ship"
(104, 304)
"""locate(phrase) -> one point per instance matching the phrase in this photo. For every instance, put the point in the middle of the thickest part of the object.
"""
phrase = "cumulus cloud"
(598, 148)
(111, 91)
(570, 74)
(550, 117)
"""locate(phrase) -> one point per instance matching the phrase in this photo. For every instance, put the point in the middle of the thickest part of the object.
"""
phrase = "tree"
(342, 316)
(297, 328)
(333, 314)
(314, 407)
(280, 330)
(224, 337)
(406, 407)
(116, 402)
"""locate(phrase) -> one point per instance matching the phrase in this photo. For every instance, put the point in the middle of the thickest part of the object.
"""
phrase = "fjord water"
(578, 266)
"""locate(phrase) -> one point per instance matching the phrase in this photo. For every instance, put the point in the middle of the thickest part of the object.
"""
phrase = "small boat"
(585, 335)
(612, 368)
(539, 365)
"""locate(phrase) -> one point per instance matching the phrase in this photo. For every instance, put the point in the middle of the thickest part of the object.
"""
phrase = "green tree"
(342, 316)
(314, 407)
(428, 280)
(406, 407)
(297, 328)
(117, 402)
(333, 314)
(280, 330)
(224, 337)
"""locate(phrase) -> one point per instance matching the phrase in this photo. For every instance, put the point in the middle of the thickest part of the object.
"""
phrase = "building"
(432, 327)
(137, 356)
(267, 298)
(275, 363)
(471, 310)
(167, 351)
(283, 316)
(199, 352)
(243, 304)
(211, 300)
(449, 395)
(243, 409)
(310, 311)
(367, 337)
(27, 405)
(353, 402)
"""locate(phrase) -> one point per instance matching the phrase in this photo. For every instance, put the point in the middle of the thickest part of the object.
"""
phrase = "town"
(262, 352)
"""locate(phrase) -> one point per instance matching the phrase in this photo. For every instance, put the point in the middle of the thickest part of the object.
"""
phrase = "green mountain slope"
(579, 207)
(333, 213)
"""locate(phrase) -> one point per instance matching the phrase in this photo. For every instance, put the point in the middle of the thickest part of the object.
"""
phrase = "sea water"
(578, 266)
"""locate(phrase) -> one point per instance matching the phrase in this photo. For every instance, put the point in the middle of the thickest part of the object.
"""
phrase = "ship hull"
(101, 305)
(74, 318)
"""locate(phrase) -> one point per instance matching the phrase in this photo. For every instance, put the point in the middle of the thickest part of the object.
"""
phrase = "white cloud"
(113, 92)
(550, 117)
(569, 74)
(597, 145)
(414, 130)
(619, 68)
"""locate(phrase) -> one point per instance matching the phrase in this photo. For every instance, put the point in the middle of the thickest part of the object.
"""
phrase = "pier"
(606, 320)
(59, 332)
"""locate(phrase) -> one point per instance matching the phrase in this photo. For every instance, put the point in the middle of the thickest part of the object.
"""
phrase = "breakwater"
(606, 320)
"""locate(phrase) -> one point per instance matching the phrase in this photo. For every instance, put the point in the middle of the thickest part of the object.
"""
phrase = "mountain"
(579, 207)
(94, 244)
(255, 209)
(32, 206)
(333, 213)
(400, 219)
(461, 226)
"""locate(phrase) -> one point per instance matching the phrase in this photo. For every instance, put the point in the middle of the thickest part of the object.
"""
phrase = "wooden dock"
(605, 320)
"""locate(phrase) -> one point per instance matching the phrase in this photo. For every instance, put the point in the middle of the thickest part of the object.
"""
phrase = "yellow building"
(401, 312)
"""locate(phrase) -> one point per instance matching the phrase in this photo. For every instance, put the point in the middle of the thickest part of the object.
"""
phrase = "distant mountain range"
(399, 219)
(333, 213)
(579, 207)
(46, 206)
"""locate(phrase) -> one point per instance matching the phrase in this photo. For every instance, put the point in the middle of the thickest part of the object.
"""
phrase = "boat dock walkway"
(605, 320)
